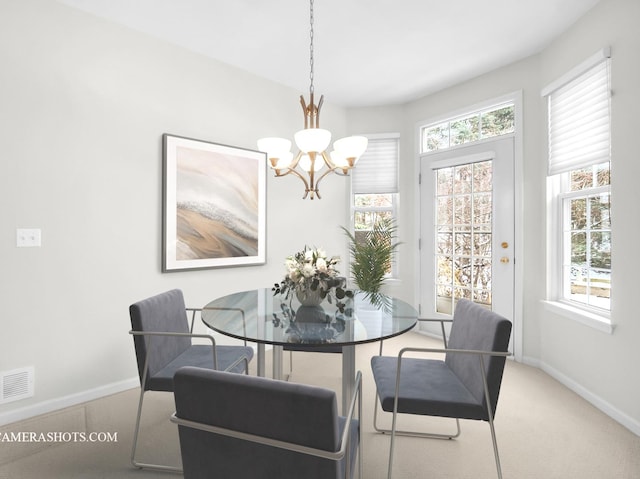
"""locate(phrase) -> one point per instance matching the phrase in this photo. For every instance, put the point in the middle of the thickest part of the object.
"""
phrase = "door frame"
(518, 256)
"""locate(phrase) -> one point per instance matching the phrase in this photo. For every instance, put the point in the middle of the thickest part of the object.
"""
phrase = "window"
(374, 184)
(586, 235)
(495, 121)
(579, 182)
(463, 220)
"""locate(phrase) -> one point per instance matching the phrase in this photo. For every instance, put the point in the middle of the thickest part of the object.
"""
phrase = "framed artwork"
(214, 205)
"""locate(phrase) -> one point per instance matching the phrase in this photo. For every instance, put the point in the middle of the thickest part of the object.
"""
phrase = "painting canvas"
(214, 205)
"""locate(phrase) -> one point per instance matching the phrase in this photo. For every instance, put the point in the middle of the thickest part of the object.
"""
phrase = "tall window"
(374, 184)
(579, 177)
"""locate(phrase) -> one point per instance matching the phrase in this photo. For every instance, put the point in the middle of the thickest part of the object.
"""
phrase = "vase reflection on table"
(312, 324)
(309, 297)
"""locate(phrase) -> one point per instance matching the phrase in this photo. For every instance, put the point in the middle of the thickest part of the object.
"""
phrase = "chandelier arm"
(327, 160)
(297, 173)
(295, 161)
(325, 174)
(338, 170)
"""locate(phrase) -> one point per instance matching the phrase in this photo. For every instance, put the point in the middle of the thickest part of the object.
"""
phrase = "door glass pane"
(464, 202)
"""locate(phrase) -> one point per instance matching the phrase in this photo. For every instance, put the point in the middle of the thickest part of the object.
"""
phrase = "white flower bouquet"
(310, 273)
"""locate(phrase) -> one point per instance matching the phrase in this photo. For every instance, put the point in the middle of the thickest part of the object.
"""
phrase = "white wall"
(604, 364)
(83, 106)
(597, 365)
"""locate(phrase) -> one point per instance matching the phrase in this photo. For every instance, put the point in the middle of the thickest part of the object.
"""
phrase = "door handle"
(504, 260)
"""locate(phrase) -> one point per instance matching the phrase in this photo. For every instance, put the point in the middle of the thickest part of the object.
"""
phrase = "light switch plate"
(28, 237)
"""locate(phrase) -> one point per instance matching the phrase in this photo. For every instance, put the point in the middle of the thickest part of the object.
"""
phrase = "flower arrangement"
(311, 274)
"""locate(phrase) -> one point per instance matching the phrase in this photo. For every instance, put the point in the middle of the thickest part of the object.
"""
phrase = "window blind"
(579, 119)
(377, 169)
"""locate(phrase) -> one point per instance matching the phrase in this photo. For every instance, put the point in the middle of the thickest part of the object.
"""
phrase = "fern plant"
(372, 255)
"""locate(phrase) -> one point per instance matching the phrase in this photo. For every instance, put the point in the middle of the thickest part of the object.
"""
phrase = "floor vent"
(16, 384)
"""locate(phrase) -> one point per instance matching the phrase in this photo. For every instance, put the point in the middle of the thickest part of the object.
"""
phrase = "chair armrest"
(189, 335)
(461, 351)
(167, 333)
(437, 320)
(441, 321)
(238, 310)
(336, 456)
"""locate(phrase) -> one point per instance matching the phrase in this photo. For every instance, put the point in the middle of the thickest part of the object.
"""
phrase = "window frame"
(395, 201)
(558, 192)
(473, 113)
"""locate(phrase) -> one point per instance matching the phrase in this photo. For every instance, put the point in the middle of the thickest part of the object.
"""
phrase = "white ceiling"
(367, 52)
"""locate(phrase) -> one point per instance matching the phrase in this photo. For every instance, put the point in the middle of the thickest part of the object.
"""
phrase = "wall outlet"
(28, 237)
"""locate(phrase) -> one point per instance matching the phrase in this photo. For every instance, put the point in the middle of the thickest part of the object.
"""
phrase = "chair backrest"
(280, 410)
(475, 327)
(165, 312)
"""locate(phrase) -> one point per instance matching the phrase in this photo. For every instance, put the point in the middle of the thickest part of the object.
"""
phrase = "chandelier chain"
(311, 46)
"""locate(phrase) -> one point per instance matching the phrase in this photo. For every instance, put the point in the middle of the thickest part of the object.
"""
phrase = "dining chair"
(463, 385)
(163, 338)
(239, 426)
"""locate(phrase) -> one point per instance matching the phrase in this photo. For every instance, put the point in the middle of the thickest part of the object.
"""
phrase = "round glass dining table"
(266, 318)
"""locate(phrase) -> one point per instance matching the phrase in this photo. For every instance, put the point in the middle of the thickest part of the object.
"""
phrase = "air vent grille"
(16, 384)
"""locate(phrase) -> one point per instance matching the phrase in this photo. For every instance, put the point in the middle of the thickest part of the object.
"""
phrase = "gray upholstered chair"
(163, 342)
(234, 426)
(465, 385)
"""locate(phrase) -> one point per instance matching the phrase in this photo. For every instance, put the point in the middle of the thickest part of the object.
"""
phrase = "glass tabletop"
(264, 317)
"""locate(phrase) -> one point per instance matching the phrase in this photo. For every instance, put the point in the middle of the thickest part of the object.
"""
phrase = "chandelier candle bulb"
(313, 139)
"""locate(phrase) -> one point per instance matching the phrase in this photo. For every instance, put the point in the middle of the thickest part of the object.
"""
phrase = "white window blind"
(579, 117)
(377, 169)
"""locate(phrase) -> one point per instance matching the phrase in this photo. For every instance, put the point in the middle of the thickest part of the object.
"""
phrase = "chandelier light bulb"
(305, 163)
(351, 147)
(338, 160)
(313, 140)
(284, 161)
(275, 147)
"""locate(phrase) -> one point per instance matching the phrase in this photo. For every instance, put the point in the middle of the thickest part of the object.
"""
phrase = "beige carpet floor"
(544, 431)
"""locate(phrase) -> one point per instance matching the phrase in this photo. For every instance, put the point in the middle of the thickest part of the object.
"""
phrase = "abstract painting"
(214, 205)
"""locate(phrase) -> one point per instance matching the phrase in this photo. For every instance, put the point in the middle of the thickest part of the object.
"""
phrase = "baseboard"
(67, 401)
(614, 413)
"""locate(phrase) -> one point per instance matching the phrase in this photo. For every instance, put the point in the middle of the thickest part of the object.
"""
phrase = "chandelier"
(312, 143)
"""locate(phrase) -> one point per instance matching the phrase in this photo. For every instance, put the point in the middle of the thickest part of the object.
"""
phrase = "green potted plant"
(372, 254)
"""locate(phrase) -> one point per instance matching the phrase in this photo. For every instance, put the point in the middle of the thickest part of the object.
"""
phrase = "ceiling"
(366, 52)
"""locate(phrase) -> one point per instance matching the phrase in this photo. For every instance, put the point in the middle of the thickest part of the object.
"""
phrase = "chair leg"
(393, 443)
(495, 446)
(411, 433)
(136, 433)
(490, 414)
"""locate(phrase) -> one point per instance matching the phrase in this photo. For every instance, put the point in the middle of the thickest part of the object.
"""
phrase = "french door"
(467, 228)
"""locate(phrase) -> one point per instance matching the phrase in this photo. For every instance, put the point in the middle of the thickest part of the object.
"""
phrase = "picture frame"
(214, 205)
